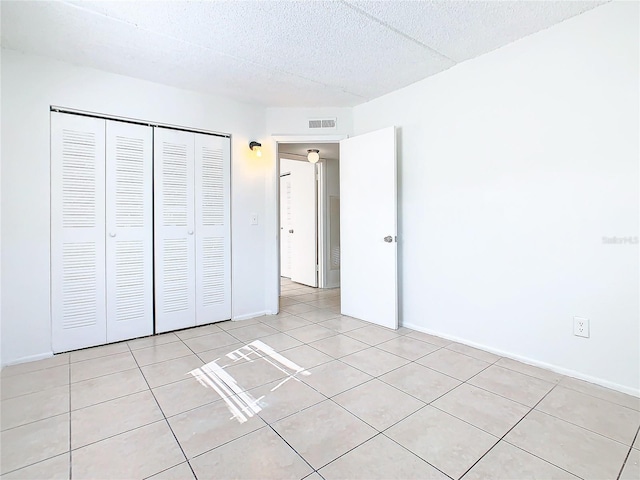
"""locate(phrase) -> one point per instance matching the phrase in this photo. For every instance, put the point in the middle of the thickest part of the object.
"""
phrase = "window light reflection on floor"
(241, 403)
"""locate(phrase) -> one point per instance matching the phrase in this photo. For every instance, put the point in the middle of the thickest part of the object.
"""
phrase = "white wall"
(295, 121)
(29, 86)
(512, 168)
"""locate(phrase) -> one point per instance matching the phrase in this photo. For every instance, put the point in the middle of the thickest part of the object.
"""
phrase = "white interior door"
(77, 232)
(213, 228)
(304, 223)
(368, 215)
(285, 225)
(129, 240)
(174, 229)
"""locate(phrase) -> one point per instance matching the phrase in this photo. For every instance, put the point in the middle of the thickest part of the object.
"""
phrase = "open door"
(368, 223)
(303, 233)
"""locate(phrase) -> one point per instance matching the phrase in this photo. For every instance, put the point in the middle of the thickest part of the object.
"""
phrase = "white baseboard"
(531, 361)
(42, 356)
(30, 358)
(247, 316)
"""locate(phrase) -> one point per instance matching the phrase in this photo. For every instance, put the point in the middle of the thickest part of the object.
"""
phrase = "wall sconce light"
(256, 147)
(313, 155)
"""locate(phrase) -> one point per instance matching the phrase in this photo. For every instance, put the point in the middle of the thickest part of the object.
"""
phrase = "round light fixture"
(313, 155)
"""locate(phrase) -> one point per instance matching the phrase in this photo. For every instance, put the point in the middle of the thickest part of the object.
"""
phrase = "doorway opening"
(309, 216)
(368, 225)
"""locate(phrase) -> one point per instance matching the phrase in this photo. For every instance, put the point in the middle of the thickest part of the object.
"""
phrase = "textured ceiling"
(272, 52)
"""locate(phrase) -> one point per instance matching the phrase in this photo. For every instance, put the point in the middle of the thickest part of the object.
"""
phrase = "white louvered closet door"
(174, 228)
(77, 232)
(129, 240)
(213, 230)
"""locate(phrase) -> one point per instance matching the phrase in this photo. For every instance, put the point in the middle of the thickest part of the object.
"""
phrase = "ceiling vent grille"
(323, 123)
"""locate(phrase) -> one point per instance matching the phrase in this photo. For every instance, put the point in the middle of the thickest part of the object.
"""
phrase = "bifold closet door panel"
(213, 230)
(77, 232)
(174, 228)
(129, 225)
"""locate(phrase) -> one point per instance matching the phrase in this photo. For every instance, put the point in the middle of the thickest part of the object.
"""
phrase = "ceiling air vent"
(323, 123)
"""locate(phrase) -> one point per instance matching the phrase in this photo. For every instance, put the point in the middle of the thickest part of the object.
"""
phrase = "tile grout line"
(583, 427)
(6, 376)
(626, 458)
(227, 442)
(116, 434)
(110, 399)
(164, 416)
(381, 432)
(291, 447)
(407, 449)
(36, 421)
(568, 387)
(46, 418)
(502, 438)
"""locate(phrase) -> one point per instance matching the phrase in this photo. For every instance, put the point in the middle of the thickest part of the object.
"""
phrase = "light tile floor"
(376, 403)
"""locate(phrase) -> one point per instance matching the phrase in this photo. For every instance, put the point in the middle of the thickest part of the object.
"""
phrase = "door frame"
(273, 281)
(324, 218)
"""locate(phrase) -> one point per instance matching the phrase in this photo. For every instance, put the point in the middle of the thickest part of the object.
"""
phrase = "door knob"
(290, 231)
(112, 234)
(388, 239)
(190, 232)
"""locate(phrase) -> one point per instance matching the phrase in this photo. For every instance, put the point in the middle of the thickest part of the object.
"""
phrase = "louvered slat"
(130, 181)
(78, 179)
(174, 185)
(213, 206)
(175, 283)
(213, 278)
(130, 280)
(79, 285)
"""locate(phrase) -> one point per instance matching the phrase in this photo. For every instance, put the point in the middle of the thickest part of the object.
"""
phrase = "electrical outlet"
(254, 219)
(581, 327)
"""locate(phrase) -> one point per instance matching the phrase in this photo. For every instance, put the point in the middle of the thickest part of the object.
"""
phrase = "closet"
(140, 230)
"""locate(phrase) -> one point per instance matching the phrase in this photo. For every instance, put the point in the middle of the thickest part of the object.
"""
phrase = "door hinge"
(317, 268)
